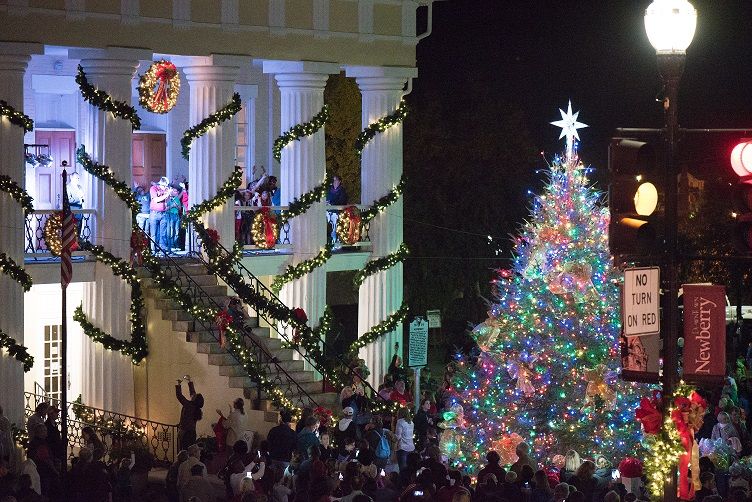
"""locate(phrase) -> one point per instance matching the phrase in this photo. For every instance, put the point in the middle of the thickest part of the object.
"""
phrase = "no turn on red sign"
(641, 302)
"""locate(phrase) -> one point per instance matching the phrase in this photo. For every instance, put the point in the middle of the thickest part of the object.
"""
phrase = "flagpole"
(64, 343)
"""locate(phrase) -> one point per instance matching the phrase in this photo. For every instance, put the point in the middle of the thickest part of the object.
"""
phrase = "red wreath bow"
(649, 414)
(213, 236)
(630, 467)
(223, 320)
(165, 72)
(302, 318)
(353, 231)
(138, 246)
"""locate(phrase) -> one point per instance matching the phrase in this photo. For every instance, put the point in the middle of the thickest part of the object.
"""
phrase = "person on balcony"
(337, 196)
(189, 415)
(54, 441)
(36, 418)
(75, 197)
(236, 422)
(271, 187)
(159, 193)
(92, 441)
(173, 209)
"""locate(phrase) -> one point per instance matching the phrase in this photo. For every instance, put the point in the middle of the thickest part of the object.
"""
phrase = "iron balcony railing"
(116, 430)
(274, 373)
(35, 247)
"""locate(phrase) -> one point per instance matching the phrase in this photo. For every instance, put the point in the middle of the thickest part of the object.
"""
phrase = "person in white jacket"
(250, 472)
(404, 432)
(236, 422)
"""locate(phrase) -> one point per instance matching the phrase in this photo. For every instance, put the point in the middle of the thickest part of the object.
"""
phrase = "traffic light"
(741, 162)
(635, 198)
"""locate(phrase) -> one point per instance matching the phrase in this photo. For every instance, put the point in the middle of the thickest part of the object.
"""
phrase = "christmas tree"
(548, 369)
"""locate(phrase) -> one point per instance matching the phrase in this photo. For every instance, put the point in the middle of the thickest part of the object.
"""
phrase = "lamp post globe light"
(670, 26)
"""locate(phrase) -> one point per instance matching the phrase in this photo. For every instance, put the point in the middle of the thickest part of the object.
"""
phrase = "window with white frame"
(52, 360)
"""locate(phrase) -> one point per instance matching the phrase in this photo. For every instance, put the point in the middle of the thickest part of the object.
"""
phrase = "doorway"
(49, 180)
(148, 154)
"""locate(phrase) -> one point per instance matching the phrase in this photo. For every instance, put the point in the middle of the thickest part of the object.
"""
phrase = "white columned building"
(381, 168)
(303, 165)
(108, 375)
(212, 157)
(14, 57)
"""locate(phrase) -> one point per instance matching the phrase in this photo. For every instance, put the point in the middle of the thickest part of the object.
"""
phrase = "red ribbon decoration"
(687, 416)
(302, 318)
(138, 246)
(213, 236)
(649, 414)
(222, 321)
(353, 231)
(630, 467)
(269, 235)
(165, 72)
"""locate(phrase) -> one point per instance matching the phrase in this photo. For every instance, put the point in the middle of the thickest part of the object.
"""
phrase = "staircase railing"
(284, 329)
(274, 373)
(114, 429)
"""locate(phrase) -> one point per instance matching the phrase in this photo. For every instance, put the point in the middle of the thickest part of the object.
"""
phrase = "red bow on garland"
(302, 318)
(138, 246)
(649, 413)
(353, 231)
(165, 72)
(223, 320)
(213, 236)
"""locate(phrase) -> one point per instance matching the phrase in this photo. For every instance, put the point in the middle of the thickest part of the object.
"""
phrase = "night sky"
(539, 54)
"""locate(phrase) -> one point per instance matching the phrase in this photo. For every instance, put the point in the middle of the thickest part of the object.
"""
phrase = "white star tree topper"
(569, 126)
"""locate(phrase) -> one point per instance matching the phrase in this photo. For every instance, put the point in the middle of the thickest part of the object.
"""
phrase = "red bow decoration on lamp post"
(688, 416)
(649, 413)
(139, 241)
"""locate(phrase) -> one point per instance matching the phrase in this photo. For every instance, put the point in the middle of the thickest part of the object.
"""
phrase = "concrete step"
(236, 370)
(239, 382)
(210, 337)
(212, 291)
(176, 315)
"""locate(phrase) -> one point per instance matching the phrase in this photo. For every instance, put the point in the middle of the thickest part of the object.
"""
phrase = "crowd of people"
(261, 191)
(163, 205)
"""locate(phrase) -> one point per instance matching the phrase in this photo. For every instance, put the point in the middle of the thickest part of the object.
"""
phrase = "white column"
(248, 94)
(212, 159)
(303, 165)
(13, 60)
(108, 375)
(381, 168)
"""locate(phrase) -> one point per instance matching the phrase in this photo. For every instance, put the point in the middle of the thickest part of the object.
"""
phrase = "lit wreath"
(265, 229)
(52, 233)
(349, 225)
(159, 87)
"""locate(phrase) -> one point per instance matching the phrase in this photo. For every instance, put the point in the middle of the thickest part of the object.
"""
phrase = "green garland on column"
(293, 272)
(379, 264)
(16, 351)
(379, 205)
(380, 125)
(301, 204)
(299, 131)
(386, 326)
(15, 271)
(104, 173)
(105, 102)
(226, 191)
(213, 120)
(20, 195)
(15, 117)
(137, 348)
(170, 289)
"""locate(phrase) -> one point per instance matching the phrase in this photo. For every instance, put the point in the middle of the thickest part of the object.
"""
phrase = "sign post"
(417, 354)
(641, 302)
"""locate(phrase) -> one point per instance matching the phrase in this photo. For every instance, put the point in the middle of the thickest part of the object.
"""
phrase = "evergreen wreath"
(105, 102)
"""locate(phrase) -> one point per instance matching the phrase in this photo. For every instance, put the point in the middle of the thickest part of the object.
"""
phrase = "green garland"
(104, 173)
(15, 271)
(379, 205)
(15, 117)
(170, 289)
(226, 191)
(379, 264)
(293, 272)
(105, 102)
(18, 352)
(299, 131)
(20, 195)
(301, 204)
(386, 326)
(137, 348)
(213, 120)
(380, 125)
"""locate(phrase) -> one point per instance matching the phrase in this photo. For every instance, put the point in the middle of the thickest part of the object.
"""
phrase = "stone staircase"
(184, 324)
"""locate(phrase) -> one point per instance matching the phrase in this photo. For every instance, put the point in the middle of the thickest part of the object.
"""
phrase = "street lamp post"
(670, 26)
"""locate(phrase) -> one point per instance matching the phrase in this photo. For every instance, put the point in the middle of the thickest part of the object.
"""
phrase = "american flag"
(68, 237)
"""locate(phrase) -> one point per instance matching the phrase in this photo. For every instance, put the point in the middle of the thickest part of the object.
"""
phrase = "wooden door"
(49, 181)
(148, 154)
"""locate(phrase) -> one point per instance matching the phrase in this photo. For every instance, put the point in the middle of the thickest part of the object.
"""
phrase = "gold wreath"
(148, 82)
(52, 233)
(258, 232)
(345, 223)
